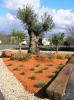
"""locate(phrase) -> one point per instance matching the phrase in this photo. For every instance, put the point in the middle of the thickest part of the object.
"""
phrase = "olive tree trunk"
(33, 43)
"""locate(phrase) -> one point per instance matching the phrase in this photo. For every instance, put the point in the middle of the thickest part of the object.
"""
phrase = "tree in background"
(57, 40)
(70, 33)
(19, 36)
(34, 27)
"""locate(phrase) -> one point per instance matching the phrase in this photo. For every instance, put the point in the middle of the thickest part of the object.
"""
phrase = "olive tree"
(34, 27)
(57, 39)
(19, 36)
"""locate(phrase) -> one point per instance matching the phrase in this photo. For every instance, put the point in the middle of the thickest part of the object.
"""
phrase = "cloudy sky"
(61, 10)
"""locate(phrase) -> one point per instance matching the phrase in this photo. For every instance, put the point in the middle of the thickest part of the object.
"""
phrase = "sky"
(62, 12)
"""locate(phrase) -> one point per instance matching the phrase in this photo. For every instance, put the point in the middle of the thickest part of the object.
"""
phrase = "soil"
(30, 68)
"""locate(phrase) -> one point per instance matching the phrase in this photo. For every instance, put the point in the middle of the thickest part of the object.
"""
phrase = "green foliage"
(67, 56)
(19, 56)
(39, 71)
(32, 68)
(45, 68)
(40, 84)
(57, 39)
(29, 17)
(22, 73)
(52, 76)
(21, 65)
(9, 64)
(59, 57)
(16, 68)
(50, 65)
(37, 65)
(32, 77)
(18, 35)
(60, 67)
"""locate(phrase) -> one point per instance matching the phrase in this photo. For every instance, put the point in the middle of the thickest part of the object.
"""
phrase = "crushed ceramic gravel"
(11, 88)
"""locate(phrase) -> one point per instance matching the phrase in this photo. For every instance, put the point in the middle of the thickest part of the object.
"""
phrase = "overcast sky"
(61, 10)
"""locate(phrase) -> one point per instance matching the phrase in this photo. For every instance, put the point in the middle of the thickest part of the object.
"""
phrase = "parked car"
(23, 43)
(0, 42)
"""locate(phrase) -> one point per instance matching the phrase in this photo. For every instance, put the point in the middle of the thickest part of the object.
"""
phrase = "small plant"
(21, 65)
(37, 65)
(40, 84)
(15, 68)
(32, 77)
(56, 72)
(9, 64)
(50, 65)
(60, 67)
(52, 76)
(39, 71)
(22, 73)
(59, 57)
(51, 56)
(67, 56)
(32, 68)
(46, 68)
(19, 56)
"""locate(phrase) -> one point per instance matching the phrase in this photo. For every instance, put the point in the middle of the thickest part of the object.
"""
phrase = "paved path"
(11, 88)
(1, 96)
(70, 88)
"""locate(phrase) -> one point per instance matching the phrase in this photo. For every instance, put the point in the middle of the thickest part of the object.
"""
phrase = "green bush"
(60, 67)
(56, 72)
(9, 64)
(16, 68)
(32, 77)
(22, 73)
(19, 56)
(52, 76)
(39, 71)
(59, 57)
(32, 68)
(50, 65)
(40, 84)
(46, 68)
(67, 56)
(21, 65)
(37, 65)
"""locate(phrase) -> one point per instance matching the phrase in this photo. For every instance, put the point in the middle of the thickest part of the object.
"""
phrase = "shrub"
(37, 65)
(32, 68)
(16, 68)
(67, 56)
(46, 68)
(51, 56)
(59, 57)
(50, 65)
(32, 77)
(19, 56)
(40, 84)
(22, 73)
(60, 67)
(56, 72)
(52, 76)
(9, 64)
(21, 65)
(42, 57)
(39, 71)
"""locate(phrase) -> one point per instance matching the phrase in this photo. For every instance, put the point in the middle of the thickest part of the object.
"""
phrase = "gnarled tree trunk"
(33, 43)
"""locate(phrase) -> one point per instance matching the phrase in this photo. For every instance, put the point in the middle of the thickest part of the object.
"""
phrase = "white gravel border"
(11, 88)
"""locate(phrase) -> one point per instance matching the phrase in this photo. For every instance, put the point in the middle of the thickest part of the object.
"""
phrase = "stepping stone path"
(11, 88)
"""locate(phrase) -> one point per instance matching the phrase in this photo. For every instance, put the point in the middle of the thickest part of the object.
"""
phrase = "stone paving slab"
(1, 96)
(70, 88)
(11, 88)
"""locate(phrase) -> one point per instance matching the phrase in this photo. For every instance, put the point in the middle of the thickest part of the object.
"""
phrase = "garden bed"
(37, 71)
